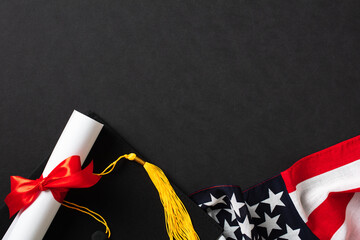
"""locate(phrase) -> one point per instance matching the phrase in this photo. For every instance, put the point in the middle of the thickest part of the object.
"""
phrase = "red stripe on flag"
(325, 220)
(321, 162)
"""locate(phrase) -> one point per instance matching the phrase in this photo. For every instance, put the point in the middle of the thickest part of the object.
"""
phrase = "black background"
(214, 92)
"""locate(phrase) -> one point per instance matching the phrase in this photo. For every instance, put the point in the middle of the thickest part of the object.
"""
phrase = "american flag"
(316, 198)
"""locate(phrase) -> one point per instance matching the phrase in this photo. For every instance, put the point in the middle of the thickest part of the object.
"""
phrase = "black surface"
(214, 92)
(98, 235)
(126, 198)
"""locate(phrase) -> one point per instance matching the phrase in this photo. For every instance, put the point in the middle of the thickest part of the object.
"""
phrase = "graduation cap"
(132, 205)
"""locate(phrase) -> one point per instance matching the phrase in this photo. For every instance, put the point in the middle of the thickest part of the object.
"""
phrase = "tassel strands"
(177, 219)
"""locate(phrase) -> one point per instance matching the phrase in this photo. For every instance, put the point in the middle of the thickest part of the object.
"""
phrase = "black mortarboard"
(126, 198)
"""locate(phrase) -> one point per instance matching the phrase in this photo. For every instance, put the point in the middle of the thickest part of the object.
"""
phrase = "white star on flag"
(232, 212)
(229, 231)
(246, 227)
(270, 223)
(236, 205)
(291, 234)
(252, 210)
(213, 213)
(274, 200)
(214, 201)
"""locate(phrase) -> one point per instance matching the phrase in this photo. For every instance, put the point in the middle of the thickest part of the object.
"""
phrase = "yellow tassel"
(177, 219)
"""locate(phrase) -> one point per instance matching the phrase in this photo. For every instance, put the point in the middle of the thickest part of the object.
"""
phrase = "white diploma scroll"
(77, 138)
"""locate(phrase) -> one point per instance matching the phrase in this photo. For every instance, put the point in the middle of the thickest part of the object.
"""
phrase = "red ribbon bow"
(67, 174)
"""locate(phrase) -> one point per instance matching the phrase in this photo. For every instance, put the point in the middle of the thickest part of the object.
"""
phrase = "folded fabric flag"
(317, 198)
(126, 198)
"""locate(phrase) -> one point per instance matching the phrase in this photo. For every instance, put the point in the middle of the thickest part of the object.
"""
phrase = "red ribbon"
(67, 174)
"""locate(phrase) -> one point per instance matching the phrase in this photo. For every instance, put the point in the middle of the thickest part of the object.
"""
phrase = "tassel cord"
(93, 214)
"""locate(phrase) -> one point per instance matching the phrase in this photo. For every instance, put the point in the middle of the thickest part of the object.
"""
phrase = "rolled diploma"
(77, 138)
